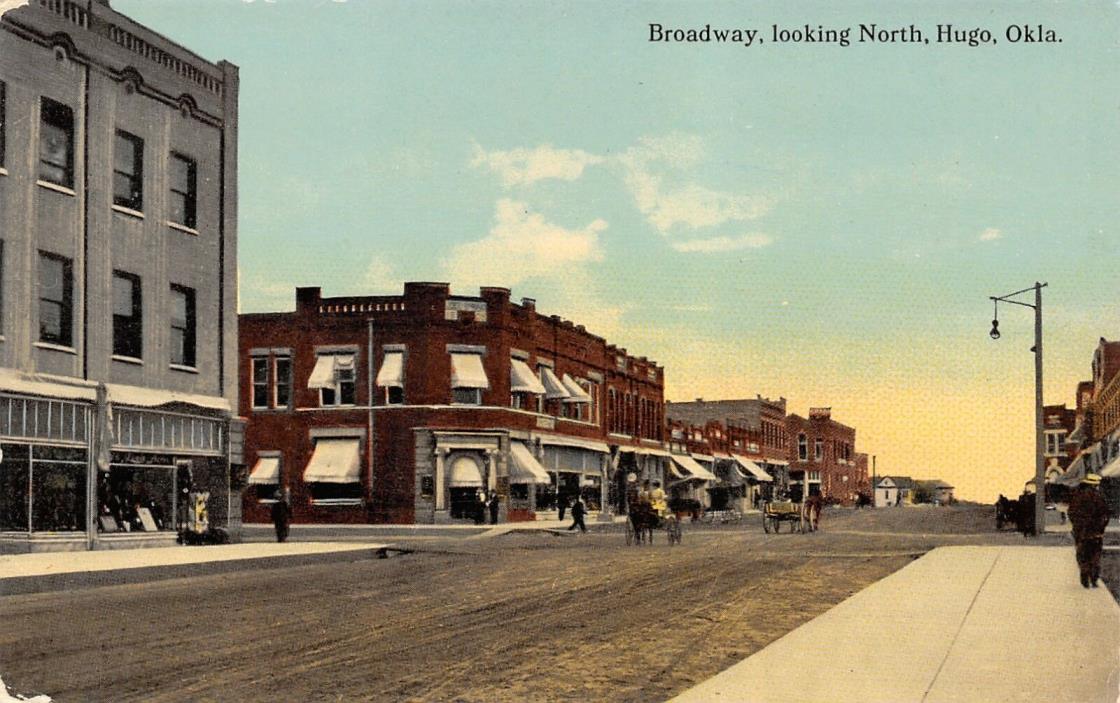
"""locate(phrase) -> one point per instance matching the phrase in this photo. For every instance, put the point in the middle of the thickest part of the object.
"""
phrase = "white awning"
(560, 441)
(464, 473)
(322, 376)
(391, 373)
(752, 468)
(154, 398)
(693, 468)
(45, 385)
(334, 461)
(577, 394)
(467, 372)
(524, 467)
(702, 457)
(266, 471)
(677, 473)
(1073, 473)
(522, 379)
(649, 451)
(554, 389)
(775, 462)
(1111, 469)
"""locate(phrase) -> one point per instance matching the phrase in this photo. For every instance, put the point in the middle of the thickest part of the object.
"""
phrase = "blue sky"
(814, 221)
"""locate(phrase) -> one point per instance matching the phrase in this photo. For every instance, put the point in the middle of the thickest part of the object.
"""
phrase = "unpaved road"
(516, 618)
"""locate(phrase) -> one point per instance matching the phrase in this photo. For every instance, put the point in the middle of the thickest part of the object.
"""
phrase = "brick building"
(400, 409)
(823, 457)
(1095, 442)
(118, 231)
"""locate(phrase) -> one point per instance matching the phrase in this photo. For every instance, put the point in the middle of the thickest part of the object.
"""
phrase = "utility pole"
(874, 483)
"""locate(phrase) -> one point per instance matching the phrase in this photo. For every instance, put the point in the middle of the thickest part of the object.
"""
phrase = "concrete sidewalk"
(55, 571)
(960, 624)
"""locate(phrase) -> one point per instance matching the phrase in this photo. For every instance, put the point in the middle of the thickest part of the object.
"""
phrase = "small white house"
(893, 490)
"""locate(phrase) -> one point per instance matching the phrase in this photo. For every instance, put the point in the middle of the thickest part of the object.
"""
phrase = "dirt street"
(518, 618)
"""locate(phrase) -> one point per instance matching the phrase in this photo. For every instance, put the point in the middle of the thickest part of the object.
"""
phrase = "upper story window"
(182, 326)
(128, 171)
(818, 450)
(127, 315)
(183, 198)
(468, 379)
(271, 389)
(333, 376)
(56, 143)
(56, 303)
(525, 387)
(802, 447)
(1055, 443)
(282, 381)
(390, 377)
(260, 381)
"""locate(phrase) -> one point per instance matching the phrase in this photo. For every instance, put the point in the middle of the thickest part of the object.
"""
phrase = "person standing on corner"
(494, 505)
(281, 516)
(1088, 514)
(578, 511)
(561, 505)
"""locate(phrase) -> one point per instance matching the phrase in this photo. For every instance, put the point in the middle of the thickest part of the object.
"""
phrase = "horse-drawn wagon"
(774, 513)
(643, 520)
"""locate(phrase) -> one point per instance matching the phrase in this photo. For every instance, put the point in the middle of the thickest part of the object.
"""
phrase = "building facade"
(118, 290)
(823, 458)
(404, 409)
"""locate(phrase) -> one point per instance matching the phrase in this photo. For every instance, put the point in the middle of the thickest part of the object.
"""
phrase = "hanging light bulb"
(994, 334)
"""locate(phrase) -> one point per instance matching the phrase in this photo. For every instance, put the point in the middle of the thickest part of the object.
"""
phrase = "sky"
(802, 220)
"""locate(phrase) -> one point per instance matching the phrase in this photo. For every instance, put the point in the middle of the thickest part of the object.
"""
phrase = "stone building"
(118, 235)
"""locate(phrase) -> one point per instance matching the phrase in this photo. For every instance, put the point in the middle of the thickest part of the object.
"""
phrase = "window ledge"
(337, 501)
(181, 367)
(128, 359)
(57, 347)
(128, 211)
(182, 228)
(55, 187)
(339, 406)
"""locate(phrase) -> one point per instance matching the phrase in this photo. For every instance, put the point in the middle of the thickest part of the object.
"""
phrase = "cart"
(776, 512)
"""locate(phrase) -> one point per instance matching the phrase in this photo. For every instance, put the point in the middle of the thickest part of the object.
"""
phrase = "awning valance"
(266, 471)
(391, 373)
(693, 468)
(752, 468)
(554, 389)
(334, 461)
(703, 457)
(721, 455)
(154, 398)
(575, 393)
(522, 379)
(48, 386)
(524, 467)
(464, 473)
(775, 462)
(588, 444)
(467, 372)
(326, 369)
(648, 451)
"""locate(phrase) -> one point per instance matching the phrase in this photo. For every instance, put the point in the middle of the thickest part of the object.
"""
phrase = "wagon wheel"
(629, 531)
(766, 523)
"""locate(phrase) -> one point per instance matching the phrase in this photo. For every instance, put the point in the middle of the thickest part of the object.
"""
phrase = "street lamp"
(1040, 462)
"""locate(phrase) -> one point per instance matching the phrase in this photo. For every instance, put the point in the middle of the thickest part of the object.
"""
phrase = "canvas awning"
(467, 372)
(775, 462)
(554, 389)
(752, 468)
(326, 369)
(575, 393)
(648, 451)
(524, 467)
(48, 386)
(1073, 473)
(154, 398)
(266, 471)
(391, 373)
(692, 468)
(334, 461)
(464, 473)
(522, 379)
(703, 457)
(588, 444)
(1112, 468)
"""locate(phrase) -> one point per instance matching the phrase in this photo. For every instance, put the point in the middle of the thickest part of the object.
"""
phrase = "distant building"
(118, 288)
(894, 490)
(823, 457)
(402, 408)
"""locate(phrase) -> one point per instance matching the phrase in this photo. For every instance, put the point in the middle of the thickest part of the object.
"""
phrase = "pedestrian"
(578, 511)
(1089, 516)
(480, 507)
(281, 516)
(562, 505)
(494, 507)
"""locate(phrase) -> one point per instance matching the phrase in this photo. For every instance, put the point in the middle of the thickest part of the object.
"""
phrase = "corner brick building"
(823, 457)
(400, 409)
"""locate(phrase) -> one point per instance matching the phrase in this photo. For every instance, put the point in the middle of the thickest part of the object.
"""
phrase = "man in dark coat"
(578, 511)
(281, 516)
(1089, 515)
(493, 505)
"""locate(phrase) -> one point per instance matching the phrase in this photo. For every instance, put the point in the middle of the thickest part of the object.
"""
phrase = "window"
(282, 378)
(802, 447)
(342, 390)
(394, 395)
(182, 326)
(466, 396)
(818, 450)
(184, 193)
(260, 382)
(128, 171)
(127, 318)
(1, 286)
(3, 119)
(1055, 441)
(56, 143)
(56, 288)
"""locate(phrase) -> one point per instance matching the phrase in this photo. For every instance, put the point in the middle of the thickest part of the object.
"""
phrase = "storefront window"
(14, 475)
(58, 489)
(136, 499)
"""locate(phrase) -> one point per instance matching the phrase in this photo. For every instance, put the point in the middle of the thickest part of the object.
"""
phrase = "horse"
(813, 507)
(1007, 511)
(644, 519)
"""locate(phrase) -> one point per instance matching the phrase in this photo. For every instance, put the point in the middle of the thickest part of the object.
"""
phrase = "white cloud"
(381, 277)
(525, 166)
(720, 244)
(522, 245)
(991, 234)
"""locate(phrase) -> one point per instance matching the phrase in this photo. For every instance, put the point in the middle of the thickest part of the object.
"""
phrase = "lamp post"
(1040, 463)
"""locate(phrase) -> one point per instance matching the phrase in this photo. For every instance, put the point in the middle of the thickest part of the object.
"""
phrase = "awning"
(326, 369)
(721, 455)
(524, 467)
(575, 393)
(467, 372)
(1111, 469)
(464, 473)
(589, 444)
(775, 462)
(522, 379)
(391, 374)
(702, 457)
(266, 471)
(731, 474)
(1073, 473)
(752, 468)
(649, 451)
(694, 469)
(47, 386)
(153, 398)
(334, 461)
(554, 389)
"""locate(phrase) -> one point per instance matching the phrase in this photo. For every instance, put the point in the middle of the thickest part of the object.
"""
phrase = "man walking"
(578, 511)
(281, 516)
(1089, 515)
